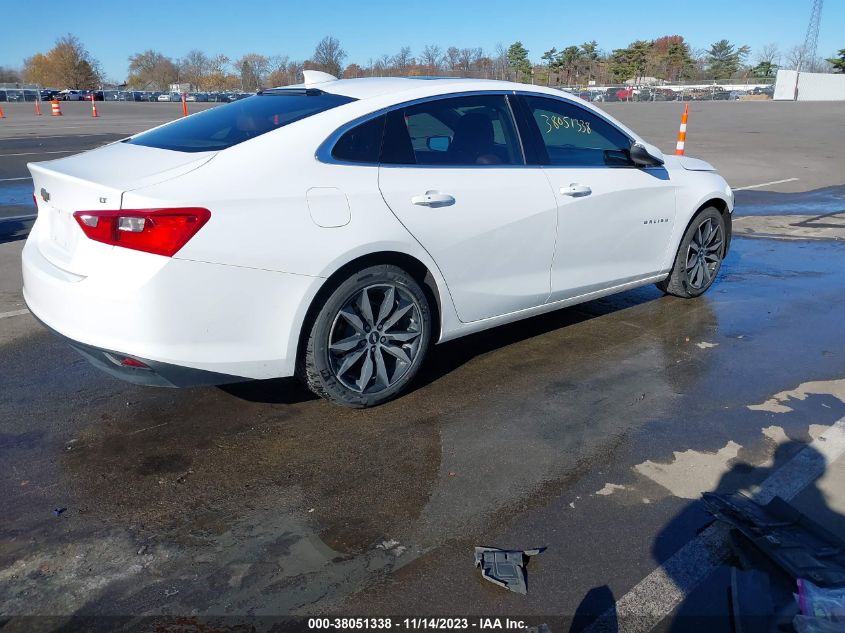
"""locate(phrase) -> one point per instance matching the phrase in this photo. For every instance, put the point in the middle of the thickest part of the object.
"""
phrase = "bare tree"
(769, 54)
(194, 69)
(500, 62)
(277, 74)
(329, 56)
(252, 69)
(403, 60)
(452, 58)
(467, 57)
(794, 57)
(383, 65)
(431, 57)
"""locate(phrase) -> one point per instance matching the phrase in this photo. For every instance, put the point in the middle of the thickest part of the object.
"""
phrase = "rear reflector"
(157, 231)
(132, 362)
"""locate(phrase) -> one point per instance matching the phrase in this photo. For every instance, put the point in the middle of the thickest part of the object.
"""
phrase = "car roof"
(373, 93)
(369, 87)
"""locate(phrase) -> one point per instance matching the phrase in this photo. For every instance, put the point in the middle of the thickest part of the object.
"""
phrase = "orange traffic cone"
(37, 107)
(56, 108)
(184, 105)
(94, 108)
(682, 133)
(2, 115)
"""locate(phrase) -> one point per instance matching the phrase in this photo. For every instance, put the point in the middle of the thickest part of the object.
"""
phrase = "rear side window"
(575, 137)
(228, 125)
(465, 131)
(362, 143)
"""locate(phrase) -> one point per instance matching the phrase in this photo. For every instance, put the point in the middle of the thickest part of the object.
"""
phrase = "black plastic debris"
(59, 511)
(505, 567)
(752, 610)
(797, 544)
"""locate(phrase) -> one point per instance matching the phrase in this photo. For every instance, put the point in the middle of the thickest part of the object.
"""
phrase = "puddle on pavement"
(823, 201)
(16, 194)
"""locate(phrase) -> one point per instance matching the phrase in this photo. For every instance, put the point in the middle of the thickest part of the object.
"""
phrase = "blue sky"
(116, 29)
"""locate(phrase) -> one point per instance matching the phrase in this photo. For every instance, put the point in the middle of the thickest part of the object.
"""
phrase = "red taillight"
(157, 231)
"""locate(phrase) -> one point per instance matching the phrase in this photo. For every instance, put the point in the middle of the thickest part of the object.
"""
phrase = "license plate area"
(62, 230)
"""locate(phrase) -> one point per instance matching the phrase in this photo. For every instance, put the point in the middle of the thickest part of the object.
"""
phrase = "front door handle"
(575, 190)
(433, 199)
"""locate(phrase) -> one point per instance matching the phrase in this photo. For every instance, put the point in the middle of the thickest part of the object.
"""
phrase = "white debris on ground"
(392, 547)
(706, 345)
(691, 472)
(609, 489)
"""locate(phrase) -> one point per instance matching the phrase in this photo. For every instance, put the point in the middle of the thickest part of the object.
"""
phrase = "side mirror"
(438, 143)
(646, 155)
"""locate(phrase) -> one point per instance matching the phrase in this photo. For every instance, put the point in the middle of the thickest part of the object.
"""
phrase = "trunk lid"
(95, 180)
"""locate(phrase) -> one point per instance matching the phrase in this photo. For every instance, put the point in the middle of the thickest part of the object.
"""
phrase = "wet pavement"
(590, 431)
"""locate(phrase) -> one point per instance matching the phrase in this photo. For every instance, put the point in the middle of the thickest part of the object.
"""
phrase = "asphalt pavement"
(590, 431)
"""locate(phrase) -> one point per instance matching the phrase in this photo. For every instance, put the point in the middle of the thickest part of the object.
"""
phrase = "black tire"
(334, 372)
(692, 274)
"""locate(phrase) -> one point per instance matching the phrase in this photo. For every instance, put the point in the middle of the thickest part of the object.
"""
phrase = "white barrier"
(811, 86)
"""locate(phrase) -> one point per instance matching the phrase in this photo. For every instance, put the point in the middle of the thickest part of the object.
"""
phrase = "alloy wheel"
(704, 254)
(375, 338)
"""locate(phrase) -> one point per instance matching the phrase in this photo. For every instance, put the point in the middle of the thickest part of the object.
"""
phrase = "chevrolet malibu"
(336, 229)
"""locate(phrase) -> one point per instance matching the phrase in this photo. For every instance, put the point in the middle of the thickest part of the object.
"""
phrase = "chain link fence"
(713, 90)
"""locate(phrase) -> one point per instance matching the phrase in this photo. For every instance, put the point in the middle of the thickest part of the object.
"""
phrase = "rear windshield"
(227, 125)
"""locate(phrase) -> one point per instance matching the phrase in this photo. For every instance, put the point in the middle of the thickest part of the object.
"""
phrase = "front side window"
(474, 130)
(227, 125)
(575, 137)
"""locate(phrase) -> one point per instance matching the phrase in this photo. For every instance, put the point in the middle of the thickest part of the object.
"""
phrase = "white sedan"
(336, 229)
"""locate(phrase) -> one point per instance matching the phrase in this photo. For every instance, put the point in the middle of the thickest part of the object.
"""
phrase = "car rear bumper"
(183, 319)
(154, 374)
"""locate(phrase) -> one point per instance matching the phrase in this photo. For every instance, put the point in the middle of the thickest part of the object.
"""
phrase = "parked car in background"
(111, 95)
(47, 94)
(611, 94)
(625, 94)
(650, 94)
(14, 95)
(199, 265)
(69, 95)
(197, 96)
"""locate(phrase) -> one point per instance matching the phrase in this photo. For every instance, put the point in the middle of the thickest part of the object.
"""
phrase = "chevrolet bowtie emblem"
(45, 195)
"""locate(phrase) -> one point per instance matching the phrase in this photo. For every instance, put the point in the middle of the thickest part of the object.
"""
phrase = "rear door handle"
(433, 198)
(575, 190)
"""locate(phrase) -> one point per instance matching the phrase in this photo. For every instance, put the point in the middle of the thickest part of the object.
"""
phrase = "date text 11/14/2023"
(419, 624)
